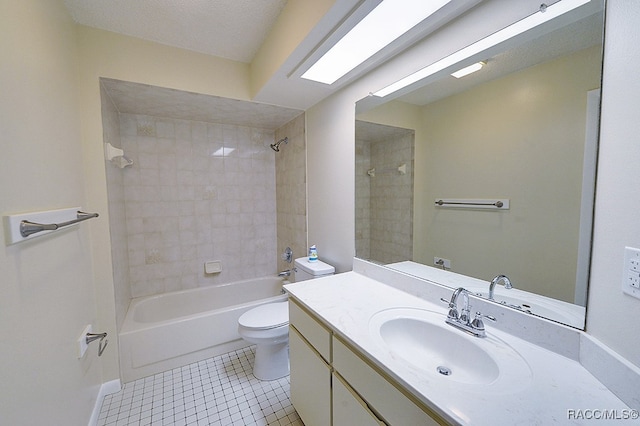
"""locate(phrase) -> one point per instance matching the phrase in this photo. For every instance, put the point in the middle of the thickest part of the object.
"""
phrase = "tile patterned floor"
(216, 391)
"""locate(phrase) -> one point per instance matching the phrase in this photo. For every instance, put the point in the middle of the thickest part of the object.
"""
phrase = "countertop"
(560, 390)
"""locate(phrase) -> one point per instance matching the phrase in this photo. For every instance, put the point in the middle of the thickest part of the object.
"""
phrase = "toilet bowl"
(267, 327)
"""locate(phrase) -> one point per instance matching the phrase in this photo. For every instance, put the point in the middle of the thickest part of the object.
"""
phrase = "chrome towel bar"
(500, 204)
(28, 228)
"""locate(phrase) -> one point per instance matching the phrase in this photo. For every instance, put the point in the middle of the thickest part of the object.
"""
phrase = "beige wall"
(330, 180)
(520, 137)
(611, 314)
(47, 287)
(295, 22)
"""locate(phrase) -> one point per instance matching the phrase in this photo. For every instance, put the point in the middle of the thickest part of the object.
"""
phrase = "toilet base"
(272, 361)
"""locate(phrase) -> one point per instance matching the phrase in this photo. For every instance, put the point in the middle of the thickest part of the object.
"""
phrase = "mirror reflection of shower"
(276, 146)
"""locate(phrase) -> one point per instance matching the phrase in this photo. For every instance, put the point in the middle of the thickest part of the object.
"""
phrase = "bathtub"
(174, 329)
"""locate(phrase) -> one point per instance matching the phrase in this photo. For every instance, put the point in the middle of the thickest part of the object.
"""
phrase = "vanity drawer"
(389, 402)
(349, 408)
(315, 333)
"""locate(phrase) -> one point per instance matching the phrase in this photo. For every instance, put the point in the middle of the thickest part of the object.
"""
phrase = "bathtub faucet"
(286, 273)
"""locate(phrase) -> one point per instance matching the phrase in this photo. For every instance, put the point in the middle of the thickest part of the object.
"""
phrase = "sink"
(422, 341)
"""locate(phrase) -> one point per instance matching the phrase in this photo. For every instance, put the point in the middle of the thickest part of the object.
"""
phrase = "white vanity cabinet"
(309, 360)
(390, 403)
(348, 407)
(333, 385)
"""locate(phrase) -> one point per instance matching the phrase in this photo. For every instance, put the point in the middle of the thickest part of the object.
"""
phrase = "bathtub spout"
(285, 273)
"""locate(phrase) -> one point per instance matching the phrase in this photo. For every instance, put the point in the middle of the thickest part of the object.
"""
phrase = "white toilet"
(305, 270)
(267, 326)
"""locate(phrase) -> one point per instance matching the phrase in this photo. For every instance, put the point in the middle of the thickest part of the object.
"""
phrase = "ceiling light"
(388, 21)
(543, 15)
(469, 70)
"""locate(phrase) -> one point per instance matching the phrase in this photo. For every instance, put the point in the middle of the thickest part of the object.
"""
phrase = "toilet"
(305, 270)
(267, 326)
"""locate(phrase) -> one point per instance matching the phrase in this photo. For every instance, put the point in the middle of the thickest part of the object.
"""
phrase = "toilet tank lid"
(269, 315)
(314, 268)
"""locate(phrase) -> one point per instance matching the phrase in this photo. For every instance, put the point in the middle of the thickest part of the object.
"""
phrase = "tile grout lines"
(217, 391)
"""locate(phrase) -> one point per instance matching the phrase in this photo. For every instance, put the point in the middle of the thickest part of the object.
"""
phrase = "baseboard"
(106, 389)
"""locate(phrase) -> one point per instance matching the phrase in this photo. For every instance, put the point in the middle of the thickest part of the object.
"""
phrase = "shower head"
(276, 146)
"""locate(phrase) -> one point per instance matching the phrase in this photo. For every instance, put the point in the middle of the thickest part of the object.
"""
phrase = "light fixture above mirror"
(365, 39)
(492, 43)
(469, 70)
(373, 32)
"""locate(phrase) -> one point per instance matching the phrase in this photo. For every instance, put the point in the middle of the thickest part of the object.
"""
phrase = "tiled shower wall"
(392, 200)
(291, 190)
(117, 215)
(197, 192)
(384, 202)
(363, 199)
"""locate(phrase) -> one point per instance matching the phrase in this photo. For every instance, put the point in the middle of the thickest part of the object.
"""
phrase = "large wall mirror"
(523, 129)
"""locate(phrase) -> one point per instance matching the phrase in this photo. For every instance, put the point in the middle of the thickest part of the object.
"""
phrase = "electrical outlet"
(82, 341)
(631, 272)
(442, 262)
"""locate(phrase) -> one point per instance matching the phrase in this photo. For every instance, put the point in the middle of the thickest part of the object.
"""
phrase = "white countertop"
(347, 301)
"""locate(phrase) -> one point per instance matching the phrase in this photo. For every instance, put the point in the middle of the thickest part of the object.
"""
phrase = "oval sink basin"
(423, 341)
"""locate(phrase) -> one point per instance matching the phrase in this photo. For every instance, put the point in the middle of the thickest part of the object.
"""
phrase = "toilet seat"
(264, 317)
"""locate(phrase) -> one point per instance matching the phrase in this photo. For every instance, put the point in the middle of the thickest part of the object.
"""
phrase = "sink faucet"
(494, 281)
(463, 320)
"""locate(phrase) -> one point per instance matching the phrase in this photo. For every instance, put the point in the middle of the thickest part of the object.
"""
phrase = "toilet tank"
(305, 270)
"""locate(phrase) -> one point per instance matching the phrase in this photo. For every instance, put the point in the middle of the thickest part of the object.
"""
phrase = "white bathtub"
(171, 330)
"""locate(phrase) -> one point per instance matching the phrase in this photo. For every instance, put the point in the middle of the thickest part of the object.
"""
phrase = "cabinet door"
(310, 379)
(389, 402)
(348, 408)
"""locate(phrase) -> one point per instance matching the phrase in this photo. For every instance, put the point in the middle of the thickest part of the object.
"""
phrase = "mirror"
(522, 130)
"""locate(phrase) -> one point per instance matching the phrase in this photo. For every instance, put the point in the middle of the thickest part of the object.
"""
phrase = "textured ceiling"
(231, 29)
(134, 98)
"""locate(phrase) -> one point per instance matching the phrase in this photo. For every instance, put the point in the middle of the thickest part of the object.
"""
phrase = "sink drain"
(445, 371)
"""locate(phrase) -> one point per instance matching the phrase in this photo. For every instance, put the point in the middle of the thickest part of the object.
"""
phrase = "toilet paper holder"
(103, 342)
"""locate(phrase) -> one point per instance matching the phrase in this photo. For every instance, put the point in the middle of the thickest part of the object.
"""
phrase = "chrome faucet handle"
(453, 310)
(477, 322)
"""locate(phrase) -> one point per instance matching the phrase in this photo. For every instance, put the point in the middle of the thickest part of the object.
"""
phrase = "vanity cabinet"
(310, 371)
(390, 403)
(348, 407)
(331, 384)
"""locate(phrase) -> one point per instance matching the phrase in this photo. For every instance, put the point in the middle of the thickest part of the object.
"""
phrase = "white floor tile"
(217, 391)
